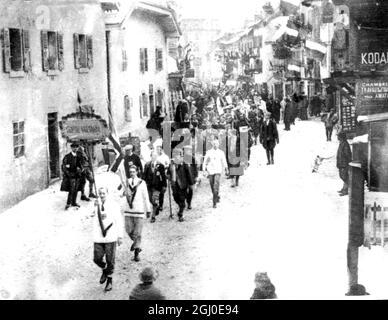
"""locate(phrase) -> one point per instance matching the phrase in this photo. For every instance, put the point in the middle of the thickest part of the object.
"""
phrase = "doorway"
(53, 144)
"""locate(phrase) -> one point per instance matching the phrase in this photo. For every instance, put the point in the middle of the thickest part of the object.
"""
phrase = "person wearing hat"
(269, 137)
(146, 289)
(344, 157)
(132, 159)
(264, 287)
(86, 174)
(72, 169)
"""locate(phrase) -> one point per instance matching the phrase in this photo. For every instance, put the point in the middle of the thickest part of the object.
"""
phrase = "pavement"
(282, 219)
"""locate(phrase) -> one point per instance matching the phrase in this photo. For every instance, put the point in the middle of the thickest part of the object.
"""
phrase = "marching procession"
(206, 142)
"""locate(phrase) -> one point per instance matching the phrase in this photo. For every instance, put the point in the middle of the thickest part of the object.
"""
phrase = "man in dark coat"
(287, 115)
(344, 157)
(181, 179)
(276, 110)
(269, 137)
(72, 169)
(330, 120)
(155, 178)
(86, 174)
(132, 159)
(189, 159)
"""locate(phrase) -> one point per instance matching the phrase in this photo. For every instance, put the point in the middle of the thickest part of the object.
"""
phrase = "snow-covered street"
(282, 219)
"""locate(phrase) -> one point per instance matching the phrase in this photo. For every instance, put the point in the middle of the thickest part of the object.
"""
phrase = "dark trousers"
(72, 196)
(329, 133)
(179, 196)
(287, 125)
(344, 175)
(214, 181)
(161, 199)
(109, 251)
(154, 196)
(270, 154)
(189, 195)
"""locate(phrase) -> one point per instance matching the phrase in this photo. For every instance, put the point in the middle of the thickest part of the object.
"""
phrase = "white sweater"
(215, 161)
(141, 203)
(113, 215)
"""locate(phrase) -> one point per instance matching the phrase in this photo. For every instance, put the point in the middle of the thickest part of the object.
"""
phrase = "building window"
(143, 105)
(128, 103)
(143, 60)
(159, 98)
(16, 50)
(18, 139)
(83, 51)
(159, 59)
(124, 60)
(52, 51)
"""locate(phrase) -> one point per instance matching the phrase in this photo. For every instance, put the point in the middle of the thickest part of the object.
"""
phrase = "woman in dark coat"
(269, 137)
(276, 111)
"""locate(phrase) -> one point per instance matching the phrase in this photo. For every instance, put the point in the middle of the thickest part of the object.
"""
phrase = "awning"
(278, 27)
(373, 117)
(231, 83)
(292, 67)
(316, 46)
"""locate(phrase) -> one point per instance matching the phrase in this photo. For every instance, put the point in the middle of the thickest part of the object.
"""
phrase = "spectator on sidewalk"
(155, 178)
(264, 287)
(287, 115)
(344, 157)
(72, 169)
(146, 290)
(330, 120)
(86, 174)
(269, 137)
(138, 208)
(214, 164)
(105, 246)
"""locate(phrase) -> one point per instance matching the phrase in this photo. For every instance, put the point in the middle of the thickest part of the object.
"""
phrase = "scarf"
(131, 198)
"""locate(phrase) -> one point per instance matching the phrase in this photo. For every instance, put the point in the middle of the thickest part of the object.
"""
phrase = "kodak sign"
(372, 58)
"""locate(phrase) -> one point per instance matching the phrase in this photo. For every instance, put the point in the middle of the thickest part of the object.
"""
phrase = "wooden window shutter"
(26, 51)
(156, 59)
(61, 60)
(141, 106)
(6, 51)
(141, 60)
(89, 49)
(45, 50)
(145, 59)
(76, 51)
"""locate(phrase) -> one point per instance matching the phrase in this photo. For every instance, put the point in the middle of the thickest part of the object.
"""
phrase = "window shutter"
(26, 51)
(89, 48)
(61, 60)
(76, 51)
(157, 59)
(145, 59)
(141, 60)
(45, 50)
(6, 51)
(141, 106)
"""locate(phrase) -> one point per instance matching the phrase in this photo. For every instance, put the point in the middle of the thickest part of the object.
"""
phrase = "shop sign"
(372, 97)
(373, 51)
(84, 130)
